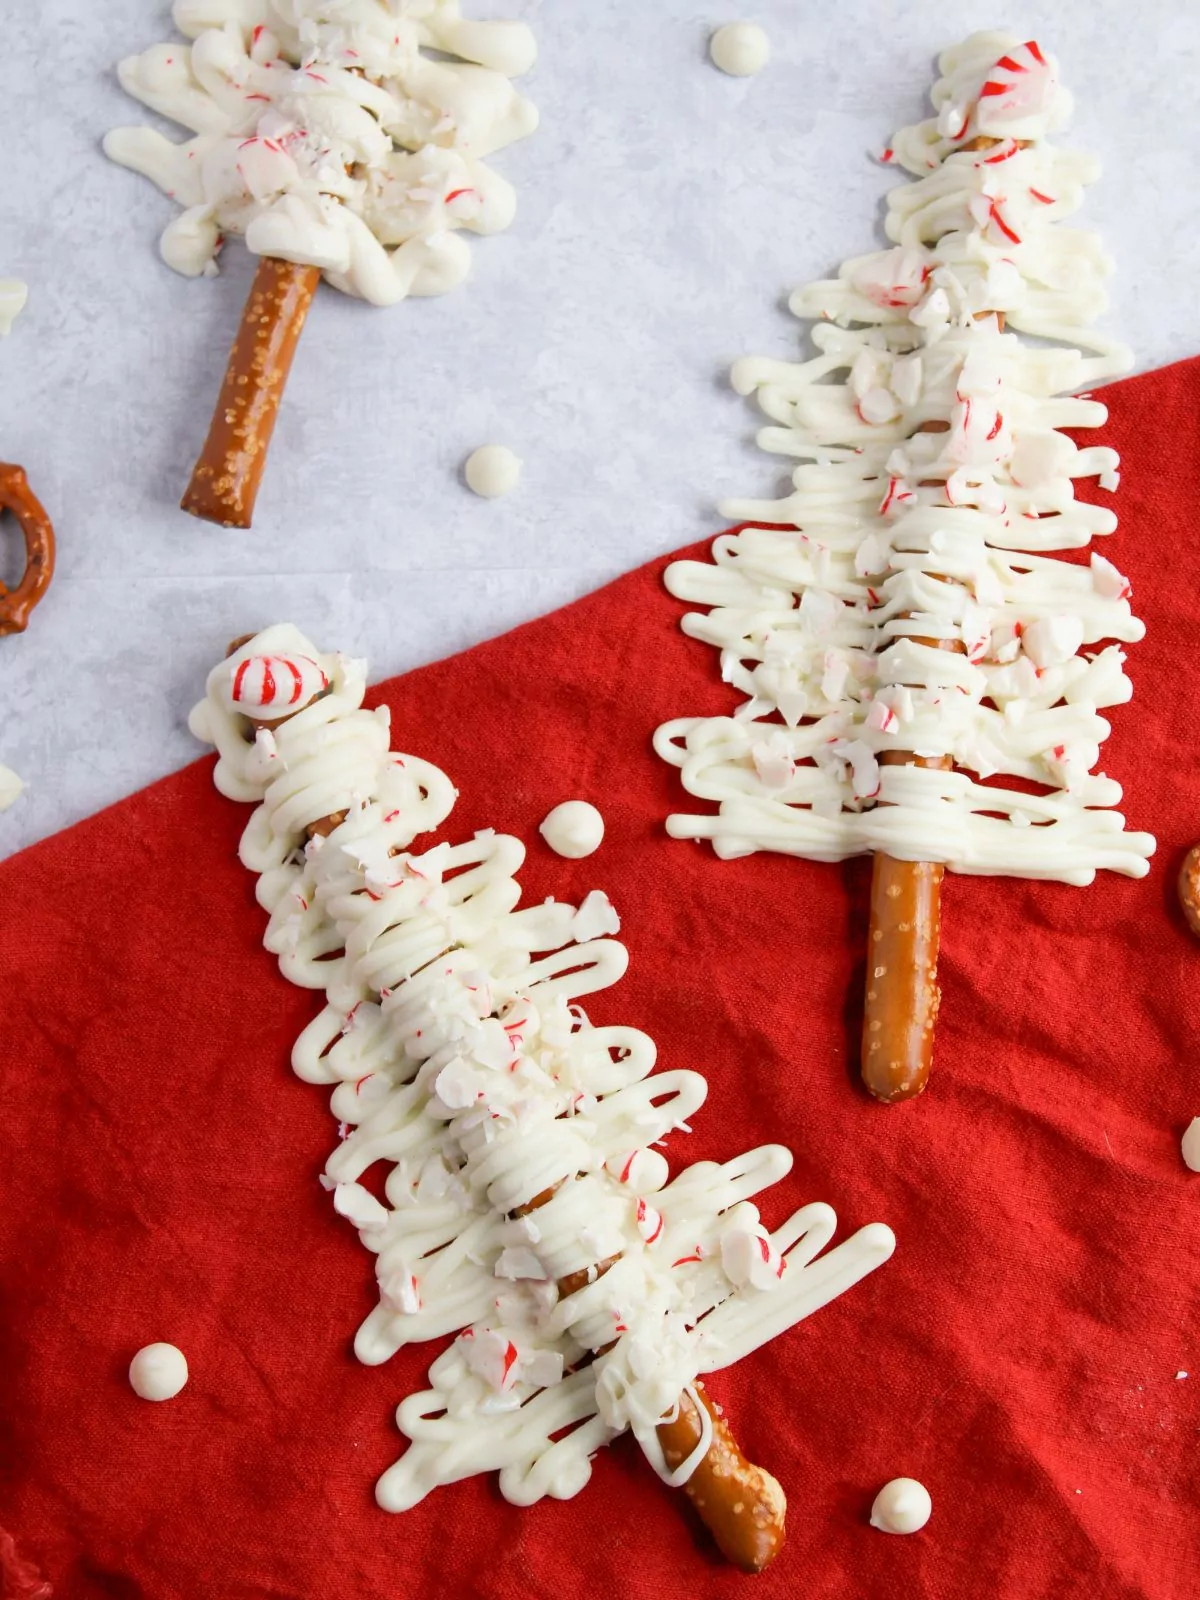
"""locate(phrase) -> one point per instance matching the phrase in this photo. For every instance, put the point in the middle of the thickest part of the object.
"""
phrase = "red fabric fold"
(1018, 1354)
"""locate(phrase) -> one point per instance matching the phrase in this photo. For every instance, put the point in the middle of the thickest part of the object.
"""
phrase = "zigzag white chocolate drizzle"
(459, 1053)
(933, 482)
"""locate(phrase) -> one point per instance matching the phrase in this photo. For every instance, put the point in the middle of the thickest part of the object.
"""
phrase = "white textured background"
(665, 210)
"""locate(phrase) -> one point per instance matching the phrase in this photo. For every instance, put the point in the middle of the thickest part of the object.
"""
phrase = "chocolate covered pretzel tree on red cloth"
(521, 1138)
(923, 680)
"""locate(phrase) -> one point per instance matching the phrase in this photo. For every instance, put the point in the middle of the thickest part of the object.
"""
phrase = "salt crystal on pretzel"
(937, 484)
(520, 1136)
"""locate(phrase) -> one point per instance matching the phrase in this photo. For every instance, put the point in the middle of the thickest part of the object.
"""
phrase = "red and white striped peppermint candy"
(1020, 87)
(275, 683)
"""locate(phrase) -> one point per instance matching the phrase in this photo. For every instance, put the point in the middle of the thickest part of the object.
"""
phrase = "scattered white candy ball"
(901, 1506)
(13, 295)
(10, 788)
(492, 470)
(1189, 1145)
(158, 1372)
(740, 48)
(573, 829)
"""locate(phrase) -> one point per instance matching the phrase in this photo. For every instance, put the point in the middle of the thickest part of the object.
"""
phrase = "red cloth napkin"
(1019, 1354)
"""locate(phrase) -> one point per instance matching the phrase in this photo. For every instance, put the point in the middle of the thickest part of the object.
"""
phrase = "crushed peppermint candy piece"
(517, 1262)
(596, 916)
(399, 1292)
(864, 768)
(491, 1356)
(749, 1259)
(1108, 581)
(1050, 641)
(773, 763)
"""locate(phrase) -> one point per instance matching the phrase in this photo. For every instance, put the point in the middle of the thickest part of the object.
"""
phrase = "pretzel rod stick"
(902, 953)
(902, 994)
(741, 1505)
(225, 480)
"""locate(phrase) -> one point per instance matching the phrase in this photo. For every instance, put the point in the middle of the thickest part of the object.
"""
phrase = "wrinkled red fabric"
(1019, 1354)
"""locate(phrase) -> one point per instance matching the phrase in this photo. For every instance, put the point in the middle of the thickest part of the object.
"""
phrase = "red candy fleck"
(510, 1360)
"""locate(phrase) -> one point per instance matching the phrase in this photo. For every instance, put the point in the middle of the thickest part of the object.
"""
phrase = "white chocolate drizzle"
(349, 135)
(459, 1054)
(898, 538)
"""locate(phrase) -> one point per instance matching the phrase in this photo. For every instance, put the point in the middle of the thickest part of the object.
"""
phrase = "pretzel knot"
(16, 496)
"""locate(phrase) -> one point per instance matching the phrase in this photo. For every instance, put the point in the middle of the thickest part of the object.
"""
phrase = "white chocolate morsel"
(1189, 1145)
(11, 788)
(740, 49)
(459, 1054)
(934, 486)
(158, 1372)
(573, 829)
(901, 1506)
(492, 470)
(13, 295)
(349, 135)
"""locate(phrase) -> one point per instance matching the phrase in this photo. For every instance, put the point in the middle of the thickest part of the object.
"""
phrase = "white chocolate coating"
(158, 1372)
(573, 829)
(1189, 1145)
(326, 134)
(11, 788)
(900, 536)
(740, 49)
(901, 1506)
(13, 295)
(492, 470)
(458, 1053)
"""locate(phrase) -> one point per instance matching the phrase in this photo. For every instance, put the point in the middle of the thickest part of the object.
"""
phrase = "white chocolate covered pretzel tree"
(923, 677)
(344, 139)
(528, 1209)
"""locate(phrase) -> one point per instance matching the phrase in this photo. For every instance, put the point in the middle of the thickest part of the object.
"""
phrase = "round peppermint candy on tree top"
(275, 684)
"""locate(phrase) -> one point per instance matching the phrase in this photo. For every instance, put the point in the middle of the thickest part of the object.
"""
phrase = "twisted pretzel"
(16, 496)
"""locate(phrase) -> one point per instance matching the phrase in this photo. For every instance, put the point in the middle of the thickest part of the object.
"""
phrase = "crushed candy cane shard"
(934, 486)
(457, 1052)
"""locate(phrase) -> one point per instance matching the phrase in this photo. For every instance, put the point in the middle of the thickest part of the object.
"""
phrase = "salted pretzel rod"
(904, 930)
(741, 1505)
(226, 478)
(16, 496)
